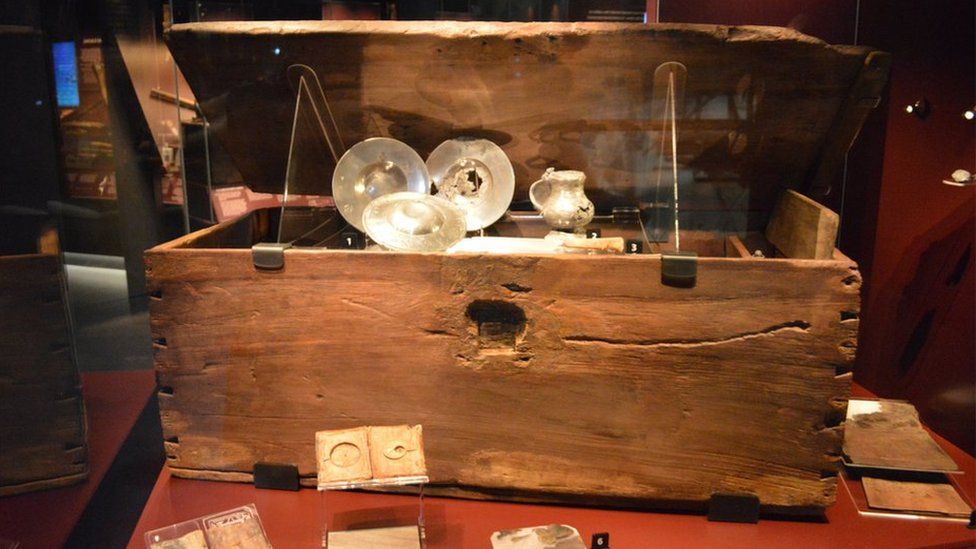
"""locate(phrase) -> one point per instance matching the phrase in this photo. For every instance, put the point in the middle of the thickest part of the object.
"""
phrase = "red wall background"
(913, 236)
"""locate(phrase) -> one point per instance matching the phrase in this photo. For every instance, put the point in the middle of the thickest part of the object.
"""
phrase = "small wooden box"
(43, 440)
(567, 378)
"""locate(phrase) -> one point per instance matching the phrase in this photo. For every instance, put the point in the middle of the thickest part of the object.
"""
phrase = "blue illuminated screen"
(65, 74)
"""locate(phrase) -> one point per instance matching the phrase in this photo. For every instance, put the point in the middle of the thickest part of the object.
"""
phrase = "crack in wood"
(369, 308)
(792, 326)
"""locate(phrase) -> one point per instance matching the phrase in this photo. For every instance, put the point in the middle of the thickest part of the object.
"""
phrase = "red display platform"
(113, 402)
(294, 519)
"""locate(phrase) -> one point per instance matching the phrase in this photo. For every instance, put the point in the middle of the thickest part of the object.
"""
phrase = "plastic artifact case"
(239, 527)
(395, 532)
(258, 347)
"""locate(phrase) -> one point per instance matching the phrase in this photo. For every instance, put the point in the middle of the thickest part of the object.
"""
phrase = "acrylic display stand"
(390, 535)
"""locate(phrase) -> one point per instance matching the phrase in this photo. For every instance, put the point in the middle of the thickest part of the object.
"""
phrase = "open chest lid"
(765, 109)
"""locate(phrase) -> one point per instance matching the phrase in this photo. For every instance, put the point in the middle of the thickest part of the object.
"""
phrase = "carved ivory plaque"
(343, 455)
(397, 451)
(370, 454)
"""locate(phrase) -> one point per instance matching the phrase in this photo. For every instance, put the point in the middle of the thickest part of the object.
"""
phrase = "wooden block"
(801, 228)
(397, 451)
(398, 537)
(614, 244)
(343, 455)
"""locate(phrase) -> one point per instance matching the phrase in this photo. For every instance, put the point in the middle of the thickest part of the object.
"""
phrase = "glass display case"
(609, 256)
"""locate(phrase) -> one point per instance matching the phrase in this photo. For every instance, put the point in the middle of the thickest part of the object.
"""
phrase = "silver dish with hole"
(476, 175)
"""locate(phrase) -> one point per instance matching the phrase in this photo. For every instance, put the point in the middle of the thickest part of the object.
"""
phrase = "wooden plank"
(801, 228)
(238, 233)
(42, 417)
(864, 96)
(401, 537)
(759, 100)
(735, 248)
(658, 393)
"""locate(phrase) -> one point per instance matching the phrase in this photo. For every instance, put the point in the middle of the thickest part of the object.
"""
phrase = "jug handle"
(534, 186)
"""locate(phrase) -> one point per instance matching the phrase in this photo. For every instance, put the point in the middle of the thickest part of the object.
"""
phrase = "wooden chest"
(43, 440)
(569, 378)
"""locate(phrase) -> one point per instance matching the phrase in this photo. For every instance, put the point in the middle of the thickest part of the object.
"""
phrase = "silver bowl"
(414, 222)
(373, 168)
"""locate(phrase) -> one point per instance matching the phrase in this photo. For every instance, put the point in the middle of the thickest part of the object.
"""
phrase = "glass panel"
(315, 146)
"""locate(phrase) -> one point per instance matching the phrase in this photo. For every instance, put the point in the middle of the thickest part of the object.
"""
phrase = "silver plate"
(372, 168)
(414, 222)
(475, 174)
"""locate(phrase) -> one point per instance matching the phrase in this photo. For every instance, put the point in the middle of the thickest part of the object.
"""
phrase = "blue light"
(277, 51)
(65, 74)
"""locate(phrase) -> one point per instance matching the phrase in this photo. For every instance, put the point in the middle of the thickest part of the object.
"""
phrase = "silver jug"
(560, 198)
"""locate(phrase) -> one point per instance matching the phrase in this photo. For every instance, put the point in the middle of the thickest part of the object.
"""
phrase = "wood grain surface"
(760, 102)
(401, 537)
(42, 415)
(535, 378)
(801, 228)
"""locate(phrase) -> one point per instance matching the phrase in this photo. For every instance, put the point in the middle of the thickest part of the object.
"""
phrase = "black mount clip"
(679, 269)
(269, 256)
(276, 476)
(729, 507)
(625, 215)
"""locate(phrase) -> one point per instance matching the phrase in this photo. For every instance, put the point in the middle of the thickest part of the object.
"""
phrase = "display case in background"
(42, 415)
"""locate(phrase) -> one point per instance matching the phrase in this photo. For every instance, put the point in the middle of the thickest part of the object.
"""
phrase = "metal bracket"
(624, 215)
(276, 476)
(679, 269)
(728, 507)
(269, 256)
